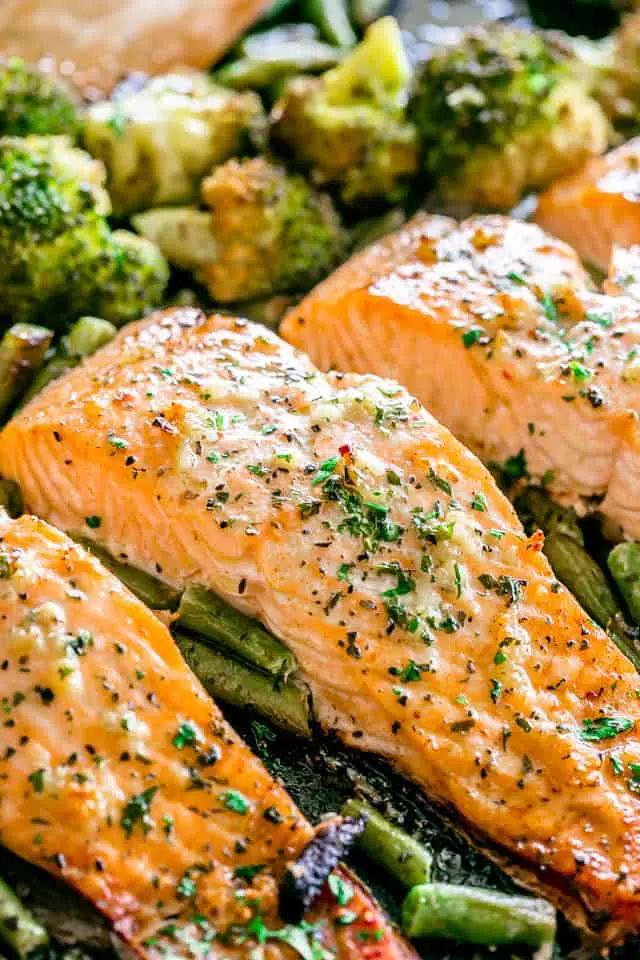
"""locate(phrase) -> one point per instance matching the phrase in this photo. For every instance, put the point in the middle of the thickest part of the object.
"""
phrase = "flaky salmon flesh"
(498, 330)
(598, 207)
(120, 775)
(335, 509)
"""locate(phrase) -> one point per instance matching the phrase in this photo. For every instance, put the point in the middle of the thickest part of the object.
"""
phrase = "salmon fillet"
(494, 325)
(362, 534)
(597, 207)
(120, 775)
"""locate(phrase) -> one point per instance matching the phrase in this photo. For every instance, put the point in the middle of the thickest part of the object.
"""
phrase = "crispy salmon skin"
(338, 511)
(119, 774)
(496, 327)
(598, 207)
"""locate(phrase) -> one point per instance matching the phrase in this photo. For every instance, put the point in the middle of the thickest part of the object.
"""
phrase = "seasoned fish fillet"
(597, 207)
(493, 324)
(339, 512)
(120, 775)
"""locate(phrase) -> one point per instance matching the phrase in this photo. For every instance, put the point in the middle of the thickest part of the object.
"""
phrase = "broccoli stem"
(22, 352)
(19, 929)
(477, 916)
(86, 336)
(284, 703)
(391, 848)
(264, 68)
(624, 567)
(202, 612)
(364, 12)
(331, 19)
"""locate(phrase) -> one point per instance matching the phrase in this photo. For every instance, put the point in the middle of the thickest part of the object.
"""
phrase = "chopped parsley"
(341, 889)
(479, 502)
(325, 470)
(186, 736)
(469, 337)
(93, 521)
(604, 728)
(137, 810)
(234, 800)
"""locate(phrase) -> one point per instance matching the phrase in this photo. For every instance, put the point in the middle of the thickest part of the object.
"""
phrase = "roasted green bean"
(23, 349)
(204, 613)
(624, 567)
(332, 20)
(286, 703)
(477, 916)
(390, 847)
(151, 591)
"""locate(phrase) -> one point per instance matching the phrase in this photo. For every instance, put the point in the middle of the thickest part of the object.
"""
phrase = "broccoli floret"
(348, 128)
(159, 142)
(502, 112)
(618, 86)
(266, 231)
(58, 256)
(132, 276)
(34, 102)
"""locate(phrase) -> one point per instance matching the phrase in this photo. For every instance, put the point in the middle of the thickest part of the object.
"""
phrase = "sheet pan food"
(250, 313)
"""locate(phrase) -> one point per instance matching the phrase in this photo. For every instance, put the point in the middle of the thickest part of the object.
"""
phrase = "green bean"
(624, 567)
(19, 929)
(276, 9)
(369, 230)
(364, 12)
(284, 703)
(151, 591)
(537, 509)
(477, 916)
(331, 19)
(579, 572)
(390, 847)
(204, 613)
(626, 637)
(86, 336)
(275, 62)
(23, 349)
(11, 497)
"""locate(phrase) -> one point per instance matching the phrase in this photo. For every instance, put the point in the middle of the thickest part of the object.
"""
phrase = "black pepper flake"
(273, 815)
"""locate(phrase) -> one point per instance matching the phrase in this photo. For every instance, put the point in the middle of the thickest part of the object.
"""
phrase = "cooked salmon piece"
(335, 509)
(597, 207)
(120, 775)
(496, 327)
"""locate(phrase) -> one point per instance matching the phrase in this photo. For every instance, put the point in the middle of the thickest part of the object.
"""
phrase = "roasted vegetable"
(503, 112)
(332, 19)
(34, 102)
(19, 929)
(159, 142)
(390, 847)
(152, 592)
(22, 352)
(58, 256)
(284, 703)
(86, 336)
(477, 916)
(624, 567)
(303, 880)
(204, 613)
(266, 232)
(266, 58)
(348, 128)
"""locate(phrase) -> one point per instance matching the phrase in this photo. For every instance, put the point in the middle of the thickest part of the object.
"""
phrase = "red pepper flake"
(345, 451)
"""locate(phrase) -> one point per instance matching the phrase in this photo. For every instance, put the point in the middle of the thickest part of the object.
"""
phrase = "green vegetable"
(159, 142)
(391, 848)
(365, 12)
(269, 64)
(23, 349)
(595, 729)
(574, 567)
(152, 592)
(349, 128)
(203, 612)
(478, 916)
(536, 509)
(86, 336)
(332, 20)
(283, 703)
(58, 256)
(624, 567)
(11, 497)
(371, 229)
(266, 231)
(19, 929)
(34, 101)
(502, 112)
